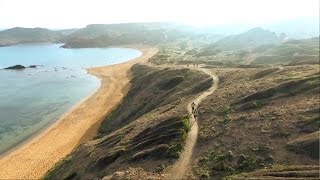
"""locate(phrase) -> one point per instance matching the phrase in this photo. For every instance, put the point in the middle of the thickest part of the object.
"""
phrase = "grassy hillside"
(293, 52)
(191, 54)
(260, 118)
(145, 133)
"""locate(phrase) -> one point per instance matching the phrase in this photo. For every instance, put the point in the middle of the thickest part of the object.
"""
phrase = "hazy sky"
(78, 13)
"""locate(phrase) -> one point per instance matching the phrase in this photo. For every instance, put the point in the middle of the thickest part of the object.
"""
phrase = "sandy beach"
(35, 157)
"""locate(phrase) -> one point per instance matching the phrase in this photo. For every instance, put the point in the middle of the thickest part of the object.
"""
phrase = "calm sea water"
(33, 98)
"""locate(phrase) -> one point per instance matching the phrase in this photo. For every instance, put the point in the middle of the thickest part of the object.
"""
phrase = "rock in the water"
(16, 67)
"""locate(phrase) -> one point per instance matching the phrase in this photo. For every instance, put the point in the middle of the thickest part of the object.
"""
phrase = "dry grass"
(246, 124)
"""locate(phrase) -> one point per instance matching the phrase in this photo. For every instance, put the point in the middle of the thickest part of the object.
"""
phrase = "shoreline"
(33, 158)
(49, 125)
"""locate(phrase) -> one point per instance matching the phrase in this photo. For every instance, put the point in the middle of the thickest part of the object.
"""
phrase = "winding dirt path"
(183, 165)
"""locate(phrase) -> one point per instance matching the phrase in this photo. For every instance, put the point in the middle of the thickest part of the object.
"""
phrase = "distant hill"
(297, 28)
(253, 38)
(28, 35)
(101, 35)
(67, 32)
(303, 51)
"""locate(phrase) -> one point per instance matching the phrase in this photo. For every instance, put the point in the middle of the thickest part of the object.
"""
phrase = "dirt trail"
(183, 165)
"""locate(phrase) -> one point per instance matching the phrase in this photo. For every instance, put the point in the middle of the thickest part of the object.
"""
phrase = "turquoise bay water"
(33, 98)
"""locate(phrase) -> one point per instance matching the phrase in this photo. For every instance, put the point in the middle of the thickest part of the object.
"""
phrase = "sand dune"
(33, 159)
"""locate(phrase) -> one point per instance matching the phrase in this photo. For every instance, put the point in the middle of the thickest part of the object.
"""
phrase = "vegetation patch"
(264, 73)
(307, 145)
(289, 88)
(309, 125)
(168, 84)
(282, 172)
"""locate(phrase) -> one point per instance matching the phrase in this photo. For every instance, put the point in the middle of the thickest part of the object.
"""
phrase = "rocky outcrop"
(20, 67)
(15, 67)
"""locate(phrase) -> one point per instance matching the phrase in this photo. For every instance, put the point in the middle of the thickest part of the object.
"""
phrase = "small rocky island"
(19, 67)
(15, 67)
